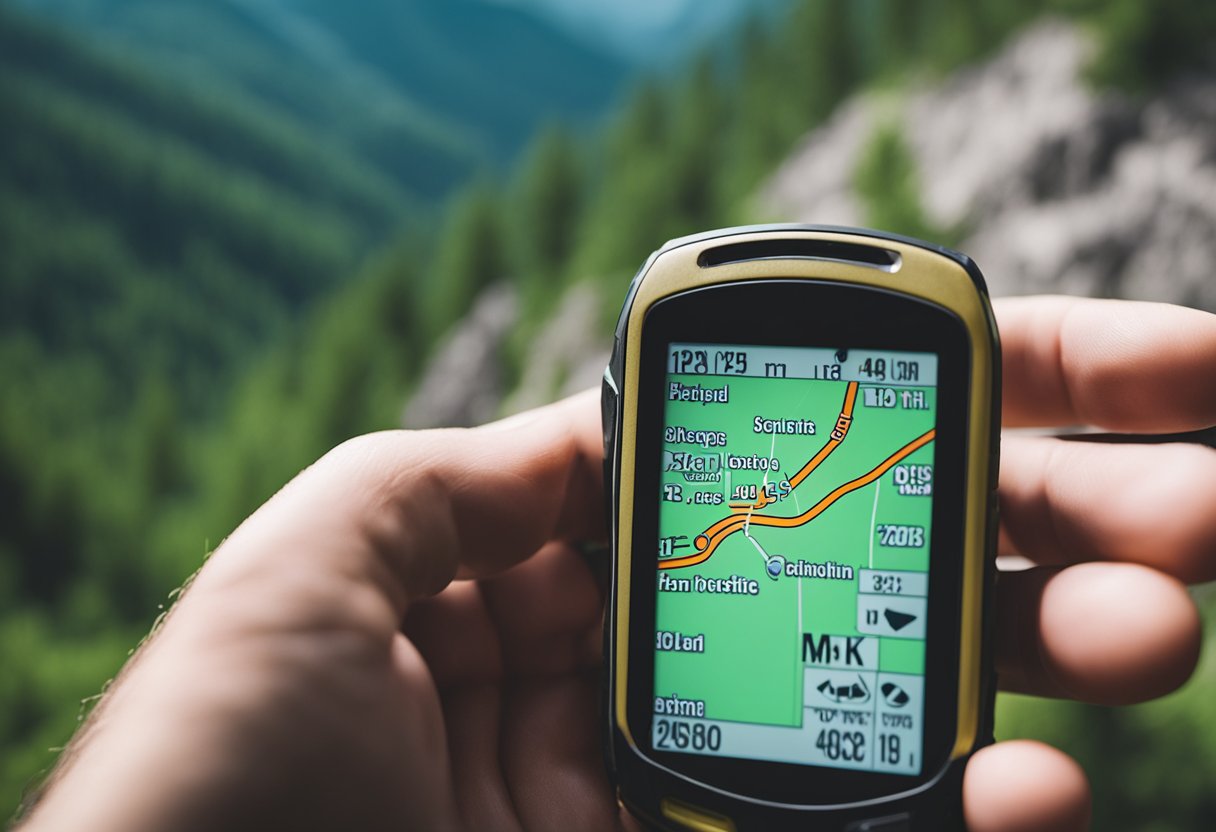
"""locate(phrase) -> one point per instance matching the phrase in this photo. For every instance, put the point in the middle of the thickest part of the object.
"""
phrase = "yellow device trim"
(697, 820)
(939, 280)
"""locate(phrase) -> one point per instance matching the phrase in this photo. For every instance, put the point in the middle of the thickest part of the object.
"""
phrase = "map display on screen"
(792, 573)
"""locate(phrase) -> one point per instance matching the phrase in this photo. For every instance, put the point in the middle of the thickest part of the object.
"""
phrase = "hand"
(284, 691)
(1114, 528)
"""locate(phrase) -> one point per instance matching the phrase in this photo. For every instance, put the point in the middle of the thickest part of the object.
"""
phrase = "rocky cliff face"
(1056, 187)
(463, 382)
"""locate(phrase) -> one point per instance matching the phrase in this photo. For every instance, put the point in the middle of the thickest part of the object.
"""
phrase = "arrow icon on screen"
(898, 620)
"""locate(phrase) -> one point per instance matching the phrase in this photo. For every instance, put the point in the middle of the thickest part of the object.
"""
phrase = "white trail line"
(747, 532)
(756, 543)
(747, 524)
(873, 515)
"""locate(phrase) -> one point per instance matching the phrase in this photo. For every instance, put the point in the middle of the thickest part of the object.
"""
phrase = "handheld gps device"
(801, 442)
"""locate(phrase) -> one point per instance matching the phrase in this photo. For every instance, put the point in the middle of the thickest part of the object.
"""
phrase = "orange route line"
(837, 436)
(738, 521)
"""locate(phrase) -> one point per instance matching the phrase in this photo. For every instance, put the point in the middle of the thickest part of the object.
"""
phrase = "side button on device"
(608, 395)
(891, 823)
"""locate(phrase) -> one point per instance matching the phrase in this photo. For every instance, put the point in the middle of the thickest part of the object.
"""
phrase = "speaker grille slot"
(874, 257)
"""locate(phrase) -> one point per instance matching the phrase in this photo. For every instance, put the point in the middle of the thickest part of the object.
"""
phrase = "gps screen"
(796, 497)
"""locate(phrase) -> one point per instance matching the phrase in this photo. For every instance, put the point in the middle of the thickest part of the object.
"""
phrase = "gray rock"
(568, 354)
(816, 183)
(1060, 188)
(462, 383)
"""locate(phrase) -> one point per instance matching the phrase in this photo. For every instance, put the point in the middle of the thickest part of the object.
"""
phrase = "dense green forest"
(175, 344)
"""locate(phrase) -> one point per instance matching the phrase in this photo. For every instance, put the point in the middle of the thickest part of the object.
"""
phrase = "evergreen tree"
(472, 254)
(823, 57)
(548, 203)
(697, 139)
(643, 125)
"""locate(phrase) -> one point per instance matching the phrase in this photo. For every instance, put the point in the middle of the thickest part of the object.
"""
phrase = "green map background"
(752, 670)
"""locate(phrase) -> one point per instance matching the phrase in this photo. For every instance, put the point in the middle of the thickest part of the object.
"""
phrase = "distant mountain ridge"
(462, 82)
(650, 33)
(495, 71)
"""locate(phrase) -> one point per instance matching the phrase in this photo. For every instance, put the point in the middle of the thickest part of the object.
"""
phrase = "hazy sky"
(640, 28)
(618, 14)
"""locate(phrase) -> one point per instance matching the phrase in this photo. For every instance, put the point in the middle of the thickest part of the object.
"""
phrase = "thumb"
(401, 512)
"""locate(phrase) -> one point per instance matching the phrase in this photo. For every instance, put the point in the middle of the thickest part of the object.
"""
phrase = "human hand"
(281, 692)
(285, 691)
(1114, 529)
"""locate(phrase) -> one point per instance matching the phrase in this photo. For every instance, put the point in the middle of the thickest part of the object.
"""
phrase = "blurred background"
(236, 232)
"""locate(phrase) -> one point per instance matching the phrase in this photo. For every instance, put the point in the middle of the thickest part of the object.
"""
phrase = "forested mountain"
(146, 226)
(196, 172)
(154, 224)
(179, 183)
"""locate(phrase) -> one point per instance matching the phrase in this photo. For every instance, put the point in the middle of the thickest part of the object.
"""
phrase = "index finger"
(401, 512)
(1117, 365)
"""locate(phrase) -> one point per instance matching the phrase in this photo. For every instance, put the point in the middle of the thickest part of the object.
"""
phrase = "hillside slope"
(1049, 184)
(187, 175)
(146, 227)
